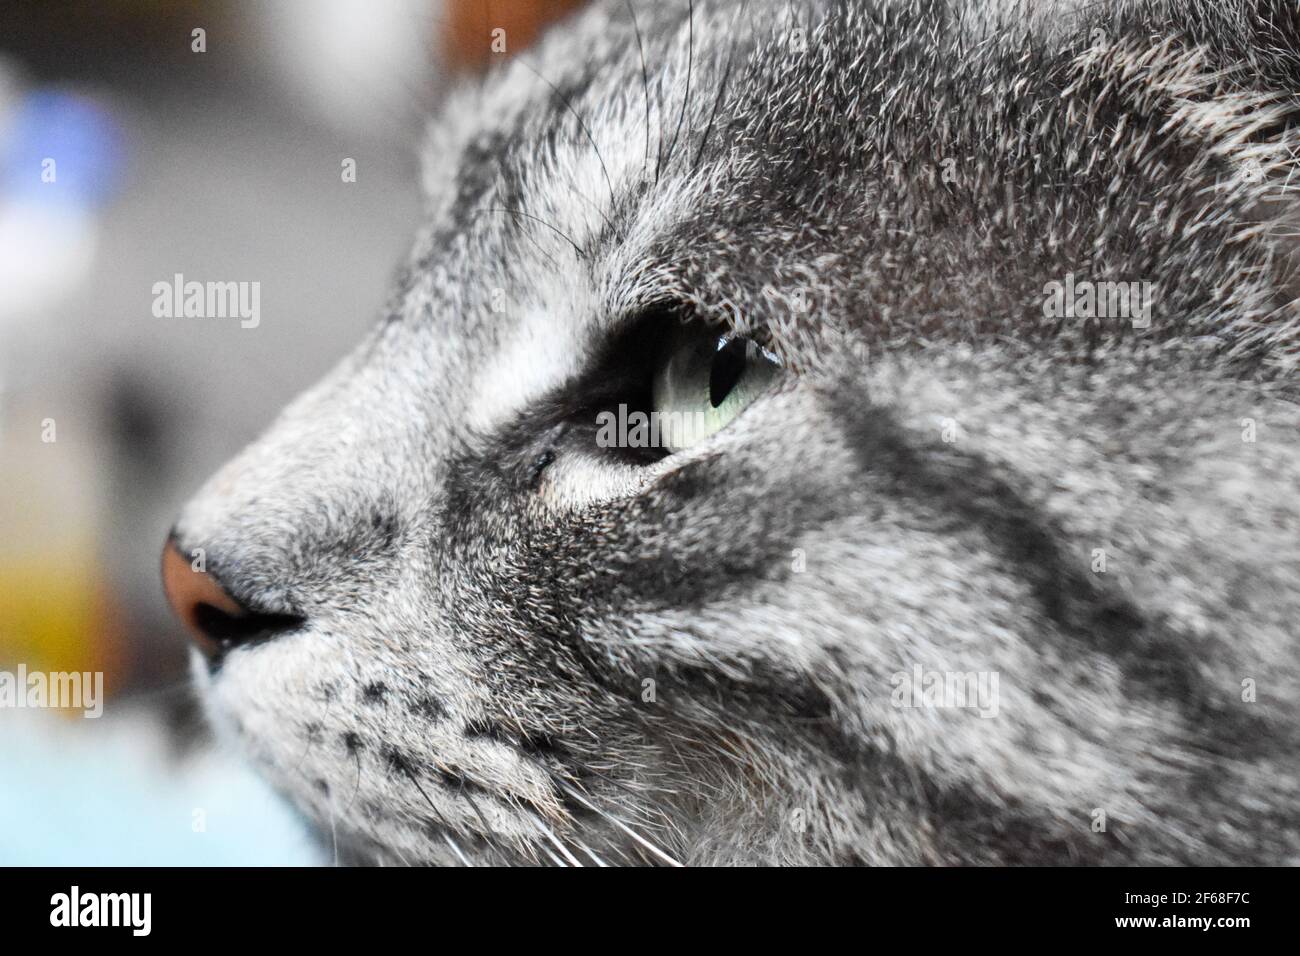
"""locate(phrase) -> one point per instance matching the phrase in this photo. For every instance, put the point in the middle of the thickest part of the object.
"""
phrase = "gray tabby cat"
(986, 548)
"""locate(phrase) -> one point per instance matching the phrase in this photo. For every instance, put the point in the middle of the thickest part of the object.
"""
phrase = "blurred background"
(133, 148)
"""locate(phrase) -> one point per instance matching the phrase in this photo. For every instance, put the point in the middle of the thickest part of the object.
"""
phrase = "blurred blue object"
(59, 148)
(107, 792)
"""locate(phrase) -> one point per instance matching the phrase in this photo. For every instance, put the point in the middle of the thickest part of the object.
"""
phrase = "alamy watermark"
(179, 299)
(64, 690)
(1086, 299)
(133, 911)
(976, 690)
(637, 429)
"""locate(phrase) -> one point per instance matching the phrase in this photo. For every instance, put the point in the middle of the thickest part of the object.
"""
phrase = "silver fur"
(486, 594)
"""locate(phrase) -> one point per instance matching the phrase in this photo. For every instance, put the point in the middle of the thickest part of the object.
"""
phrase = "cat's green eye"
(704, 380)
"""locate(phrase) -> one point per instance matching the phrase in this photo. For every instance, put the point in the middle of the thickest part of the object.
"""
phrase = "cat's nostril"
(216, 621)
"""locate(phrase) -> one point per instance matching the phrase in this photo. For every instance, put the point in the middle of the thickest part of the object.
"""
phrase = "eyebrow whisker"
(609, 183)
(690, 67)
(645, 87)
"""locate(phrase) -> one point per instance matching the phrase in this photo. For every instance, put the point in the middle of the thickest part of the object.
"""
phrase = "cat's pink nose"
(215, 620)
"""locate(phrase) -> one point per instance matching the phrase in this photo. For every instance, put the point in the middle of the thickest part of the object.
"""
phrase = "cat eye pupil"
(728, 366)
(700, 378)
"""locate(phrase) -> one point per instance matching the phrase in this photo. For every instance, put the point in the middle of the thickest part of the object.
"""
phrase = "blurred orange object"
(478, 30)
(56, 609)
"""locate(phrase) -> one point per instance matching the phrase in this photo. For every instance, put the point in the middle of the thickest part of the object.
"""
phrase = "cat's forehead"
(907, 170)
(642, 142)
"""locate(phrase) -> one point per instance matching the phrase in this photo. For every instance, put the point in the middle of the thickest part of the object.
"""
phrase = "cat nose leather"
(216, 621)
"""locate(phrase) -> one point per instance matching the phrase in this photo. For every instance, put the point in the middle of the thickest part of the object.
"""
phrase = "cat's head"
(852, 602)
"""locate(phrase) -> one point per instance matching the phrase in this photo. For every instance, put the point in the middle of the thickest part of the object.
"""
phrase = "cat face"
(846, 607)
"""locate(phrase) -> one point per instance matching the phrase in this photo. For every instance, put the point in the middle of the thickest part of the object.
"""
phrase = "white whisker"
(642, 841)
